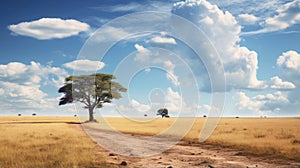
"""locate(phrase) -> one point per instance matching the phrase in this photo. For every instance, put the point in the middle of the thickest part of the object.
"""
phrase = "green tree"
(163, 112)
(91, 90)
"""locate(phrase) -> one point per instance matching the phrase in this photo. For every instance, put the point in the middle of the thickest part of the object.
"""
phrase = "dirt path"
(181, 155)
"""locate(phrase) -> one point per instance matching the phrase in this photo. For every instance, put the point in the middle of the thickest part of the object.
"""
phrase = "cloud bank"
(287, 16)
(21, 87)
(286, 100)
(222, 29)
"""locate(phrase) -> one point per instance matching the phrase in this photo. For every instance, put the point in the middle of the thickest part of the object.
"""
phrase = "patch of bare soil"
(181, 155)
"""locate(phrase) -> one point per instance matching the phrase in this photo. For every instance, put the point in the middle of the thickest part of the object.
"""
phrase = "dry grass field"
(55, 142)
(45, 142)
(275, 137)
(268, 137)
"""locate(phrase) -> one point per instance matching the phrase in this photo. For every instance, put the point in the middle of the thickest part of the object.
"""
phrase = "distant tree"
(145, 115)
(204, 116)
(91, 90)
(33, 114)
(19, 114)
(163, 112)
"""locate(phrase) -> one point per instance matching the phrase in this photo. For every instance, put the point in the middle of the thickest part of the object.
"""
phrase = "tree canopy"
(91, 90)
(163, 112)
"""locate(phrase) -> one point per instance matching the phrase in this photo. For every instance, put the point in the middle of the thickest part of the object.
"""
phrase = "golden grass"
(45, 142)
(52, 142)
(277, 137)
(272, 137)
(38, 119)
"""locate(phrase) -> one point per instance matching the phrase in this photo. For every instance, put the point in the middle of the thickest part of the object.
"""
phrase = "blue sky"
(174, 56)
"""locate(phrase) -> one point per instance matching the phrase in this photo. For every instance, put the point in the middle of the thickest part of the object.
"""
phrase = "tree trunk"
(91, 114)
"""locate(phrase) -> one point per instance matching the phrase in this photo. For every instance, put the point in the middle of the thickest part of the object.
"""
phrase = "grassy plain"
(45, 142)
(54, 142)
(271, 137)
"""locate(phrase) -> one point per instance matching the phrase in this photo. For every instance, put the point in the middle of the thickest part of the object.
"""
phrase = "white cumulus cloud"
(209, 108)
(22, 92)
(277, 83)
(31, 74)
(247, 19)
(84, 65)
(139, 106)
(163, 40)
(174, 101)
(289, 61)
(287, 16)
(289, 64)
(222, 29)
(140, 48)
(49, 28)
(262, 104)
(286, 100)
(170, 74)
(143, 54)
(21, 86)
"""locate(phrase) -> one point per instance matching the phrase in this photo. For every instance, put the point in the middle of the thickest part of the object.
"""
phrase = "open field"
(45, 142)
(267, 137)
(55, 141)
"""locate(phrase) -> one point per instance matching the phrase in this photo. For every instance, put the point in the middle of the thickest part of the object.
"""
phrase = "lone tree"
(91, 90)
(163, 112)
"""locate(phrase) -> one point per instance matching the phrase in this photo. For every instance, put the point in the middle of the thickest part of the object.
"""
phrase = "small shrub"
(259, 135)
(296, 141)
(225, 131)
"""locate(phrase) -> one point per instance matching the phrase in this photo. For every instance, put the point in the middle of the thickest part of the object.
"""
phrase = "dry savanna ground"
(266, 137)
(54, 141)
(45, 142)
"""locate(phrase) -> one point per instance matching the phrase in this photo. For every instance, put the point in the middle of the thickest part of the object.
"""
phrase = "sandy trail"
(181, 155)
